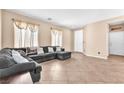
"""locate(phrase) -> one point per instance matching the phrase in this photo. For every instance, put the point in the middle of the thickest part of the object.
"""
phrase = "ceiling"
(71, 18)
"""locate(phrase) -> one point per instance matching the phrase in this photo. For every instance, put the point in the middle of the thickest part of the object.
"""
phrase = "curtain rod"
(55, 28)
(25, 22)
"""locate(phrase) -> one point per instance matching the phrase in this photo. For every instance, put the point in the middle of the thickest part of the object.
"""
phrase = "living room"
(72, 60)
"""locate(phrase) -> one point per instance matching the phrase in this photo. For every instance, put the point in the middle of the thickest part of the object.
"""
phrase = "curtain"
(26, 35)
(20, 25)
(56, 37)
(34, 33)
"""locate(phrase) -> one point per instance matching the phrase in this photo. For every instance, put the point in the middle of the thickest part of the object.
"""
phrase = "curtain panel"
(20, 25)
(56, 37)
(26, 34)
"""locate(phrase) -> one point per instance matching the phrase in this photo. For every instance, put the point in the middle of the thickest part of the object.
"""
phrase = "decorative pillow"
(58, 49)
(22, 53)
(40, 51)
(50, 49)
(6, 61)
(32, 50)
(18, 58)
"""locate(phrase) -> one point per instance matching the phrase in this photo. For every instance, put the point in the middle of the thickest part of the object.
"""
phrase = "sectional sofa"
(47, 55)
(9, 67)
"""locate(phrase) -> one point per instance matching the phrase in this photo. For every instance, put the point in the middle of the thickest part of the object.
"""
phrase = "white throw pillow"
(18, 58)
(15, 53)
(50, 49)
(40, 50)
(58, 49)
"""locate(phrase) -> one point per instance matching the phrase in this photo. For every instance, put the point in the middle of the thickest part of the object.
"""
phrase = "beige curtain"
(24, 27)
(56, 37)
(33, 29)
(20, 25)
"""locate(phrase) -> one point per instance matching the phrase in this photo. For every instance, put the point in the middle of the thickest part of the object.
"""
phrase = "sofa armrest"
(16, 69)
(35, 73)
(38, 67)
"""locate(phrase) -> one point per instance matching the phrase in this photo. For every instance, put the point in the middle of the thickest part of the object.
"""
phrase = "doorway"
(116, 43)
(78, 41)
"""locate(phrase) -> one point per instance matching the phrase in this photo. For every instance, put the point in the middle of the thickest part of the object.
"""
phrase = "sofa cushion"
(31, 50)
(40, 50)
(42, 56)
(36, 57)
(58, 49)
(45, 49)
(19, 49)
(18, 58)
(50, 49)
(6, 61)
(22, 53)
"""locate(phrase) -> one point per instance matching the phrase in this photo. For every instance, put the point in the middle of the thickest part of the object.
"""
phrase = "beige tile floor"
(83, 70)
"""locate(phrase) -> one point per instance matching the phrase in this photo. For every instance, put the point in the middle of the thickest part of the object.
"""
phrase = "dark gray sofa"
(13, 68)
(46, 55)
(43, 57)
(32, 66)
(31, 52)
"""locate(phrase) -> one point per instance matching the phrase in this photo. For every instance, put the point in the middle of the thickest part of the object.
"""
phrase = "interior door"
(78, 41)
(116, 43)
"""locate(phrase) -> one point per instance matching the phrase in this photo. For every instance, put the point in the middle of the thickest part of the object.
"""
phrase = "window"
(25, 35)
(56, 37)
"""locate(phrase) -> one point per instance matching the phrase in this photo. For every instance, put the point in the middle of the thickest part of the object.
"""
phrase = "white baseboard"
(91, 55)
(97, 56)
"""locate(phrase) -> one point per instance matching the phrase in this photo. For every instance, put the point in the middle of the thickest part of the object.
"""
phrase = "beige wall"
(95, 34)
(68, 43)
(44, 33)
(96, 39)
(72, 40)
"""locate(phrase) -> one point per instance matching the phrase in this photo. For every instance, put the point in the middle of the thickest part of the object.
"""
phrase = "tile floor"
(83, 70)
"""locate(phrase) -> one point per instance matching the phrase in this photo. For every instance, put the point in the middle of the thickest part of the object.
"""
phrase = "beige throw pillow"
(40, 51)
(50, 49)
(58, 49)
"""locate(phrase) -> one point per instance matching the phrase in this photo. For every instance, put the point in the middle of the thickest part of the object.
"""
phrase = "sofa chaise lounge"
(47, 55)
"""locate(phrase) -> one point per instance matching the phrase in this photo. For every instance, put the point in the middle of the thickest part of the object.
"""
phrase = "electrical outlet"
(98, 52)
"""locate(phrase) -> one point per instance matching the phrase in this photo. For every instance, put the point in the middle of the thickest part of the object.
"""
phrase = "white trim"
(77, 52)
(78, 40)
(97, 56)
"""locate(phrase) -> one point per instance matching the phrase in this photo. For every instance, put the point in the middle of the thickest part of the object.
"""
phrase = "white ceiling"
(71, 18)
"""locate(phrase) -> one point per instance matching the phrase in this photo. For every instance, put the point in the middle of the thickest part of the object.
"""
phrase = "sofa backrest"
(45, 48)
(6, 59)
(23, 49)
(34, 49)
